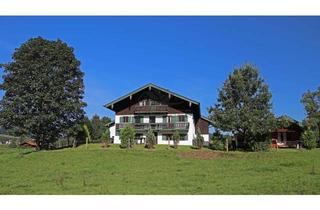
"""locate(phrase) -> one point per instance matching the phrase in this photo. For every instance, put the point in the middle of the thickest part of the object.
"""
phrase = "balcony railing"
(151, 109)
(156, 126)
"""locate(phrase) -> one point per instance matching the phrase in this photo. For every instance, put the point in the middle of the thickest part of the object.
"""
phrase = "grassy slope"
(160, 171)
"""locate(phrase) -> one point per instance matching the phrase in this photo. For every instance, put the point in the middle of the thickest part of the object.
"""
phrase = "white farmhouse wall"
(159, 119)
(112, 130)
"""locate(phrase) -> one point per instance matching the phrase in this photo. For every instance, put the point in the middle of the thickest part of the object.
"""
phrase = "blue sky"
(188, 55)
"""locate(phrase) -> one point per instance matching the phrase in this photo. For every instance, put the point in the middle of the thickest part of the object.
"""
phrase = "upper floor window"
(152, 119)
(179, 118)
(164, 119)
(125, 119)
(138, 119)
(148, 102)
(143, 103)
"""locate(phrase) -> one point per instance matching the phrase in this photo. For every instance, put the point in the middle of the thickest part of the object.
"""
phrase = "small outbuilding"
(287, 133)
(30, 143)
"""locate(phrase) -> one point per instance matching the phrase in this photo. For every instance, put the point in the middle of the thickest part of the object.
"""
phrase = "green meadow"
(186, 171)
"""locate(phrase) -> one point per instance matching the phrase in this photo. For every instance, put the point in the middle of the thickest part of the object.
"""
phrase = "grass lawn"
(160, 171)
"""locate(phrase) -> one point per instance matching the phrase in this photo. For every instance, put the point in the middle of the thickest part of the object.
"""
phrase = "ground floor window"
(139, 139)
(183, 137)
(166, 137)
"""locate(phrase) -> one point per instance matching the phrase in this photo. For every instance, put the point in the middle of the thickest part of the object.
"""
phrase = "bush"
(309, 139)
(217, 144)
(217, 141)
(176, 139)
(150, 139)
(261, 146)
(257, 142)
(127, 135)
(198, 140)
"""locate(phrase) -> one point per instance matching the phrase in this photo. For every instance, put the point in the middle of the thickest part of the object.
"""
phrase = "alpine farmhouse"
(162, 111)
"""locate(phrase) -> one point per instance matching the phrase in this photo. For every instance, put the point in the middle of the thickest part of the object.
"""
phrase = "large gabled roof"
(150, 85)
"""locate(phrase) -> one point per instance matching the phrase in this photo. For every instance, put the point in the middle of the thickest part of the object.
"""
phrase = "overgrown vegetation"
(127, 135)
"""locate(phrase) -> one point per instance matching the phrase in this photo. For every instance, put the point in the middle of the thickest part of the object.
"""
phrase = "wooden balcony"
(155, 126)
(151, 109)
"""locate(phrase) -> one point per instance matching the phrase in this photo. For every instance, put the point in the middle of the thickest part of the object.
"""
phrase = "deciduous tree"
(44, 90)
(311, 102)
(244, 106)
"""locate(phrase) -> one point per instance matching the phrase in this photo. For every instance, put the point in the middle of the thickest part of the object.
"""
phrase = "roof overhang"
(207, 119)
(150, 86)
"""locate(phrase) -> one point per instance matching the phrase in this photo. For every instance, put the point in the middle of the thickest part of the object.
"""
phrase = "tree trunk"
(74, 143)
(68, 141)
(227, 144)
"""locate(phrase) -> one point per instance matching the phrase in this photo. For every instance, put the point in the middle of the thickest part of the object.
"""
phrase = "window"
(183, 137)
(143, 103)
(179, 118)
(164, 119)
(138, 119)
(166, 137)
(152, 119)
(182, 118)
(125, 119)
(152, 102)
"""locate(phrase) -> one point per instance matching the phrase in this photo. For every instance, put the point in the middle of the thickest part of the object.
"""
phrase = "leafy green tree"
(244, 106)
(127, 135)
(284, 121)
(309, 139)
(44, 90)
(176, 139)
(198, 140)
(76, 133)
(150, 139)
(311, 102)
(105, 138)
(98, 126)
